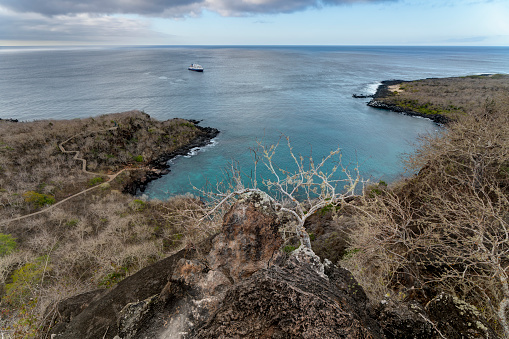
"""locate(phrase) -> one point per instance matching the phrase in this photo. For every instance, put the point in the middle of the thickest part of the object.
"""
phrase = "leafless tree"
(299, 192)
(448, 227)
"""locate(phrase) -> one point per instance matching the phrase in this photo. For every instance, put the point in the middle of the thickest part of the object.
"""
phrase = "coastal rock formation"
(158, 167)
(239, 284)
(384, 92)
(438, 118)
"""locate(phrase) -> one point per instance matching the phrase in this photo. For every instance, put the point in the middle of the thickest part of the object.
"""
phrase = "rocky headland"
(439, 99)
(385, 90)
(158, 167)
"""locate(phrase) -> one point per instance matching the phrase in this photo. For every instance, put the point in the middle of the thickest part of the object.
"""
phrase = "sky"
(254, 22)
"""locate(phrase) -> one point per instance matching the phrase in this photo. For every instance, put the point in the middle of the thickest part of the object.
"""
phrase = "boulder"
(404, 320)
(455, 318)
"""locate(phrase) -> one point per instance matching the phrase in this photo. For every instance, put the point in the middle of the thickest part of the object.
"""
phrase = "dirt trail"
(84, 161)
(111, 177)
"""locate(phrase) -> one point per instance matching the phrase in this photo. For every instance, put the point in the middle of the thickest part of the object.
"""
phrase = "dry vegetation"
(31, 161)
(452, 97)
(447, 228)
(95, 239)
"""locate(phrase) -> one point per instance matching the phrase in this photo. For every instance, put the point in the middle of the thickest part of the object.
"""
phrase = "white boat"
(195, 67)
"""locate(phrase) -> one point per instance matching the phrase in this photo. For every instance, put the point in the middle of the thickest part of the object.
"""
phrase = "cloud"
(126, 21)
(79, 27)
(166, 8)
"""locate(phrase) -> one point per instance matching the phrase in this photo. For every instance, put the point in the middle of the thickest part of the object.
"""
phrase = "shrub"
(94, 181)
(289, 248)
(25, 281)
(138, 205)
(38, 199)
(7, 244)
(447, 228)
(138, 158)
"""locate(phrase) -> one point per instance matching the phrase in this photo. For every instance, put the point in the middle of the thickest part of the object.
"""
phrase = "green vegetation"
(38, 199)
(24, 280)
(7, 244)
(94, 181)
(289, 248)
(138, 205)
(138, 158)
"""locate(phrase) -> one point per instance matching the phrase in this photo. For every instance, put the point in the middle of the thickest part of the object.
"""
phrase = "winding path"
(76, 156)
(111, 177)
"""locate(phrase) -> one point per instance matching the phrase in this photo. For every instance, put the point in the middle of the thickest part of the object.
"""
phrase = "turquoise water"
(248, 93)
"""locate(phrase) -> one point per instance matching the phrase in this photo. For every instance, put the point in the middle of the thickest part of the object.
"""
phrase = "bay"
(250, 93)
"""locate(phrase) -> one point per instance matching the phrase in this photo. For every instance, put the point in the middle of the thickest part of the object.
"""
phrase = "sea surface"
(251, 94)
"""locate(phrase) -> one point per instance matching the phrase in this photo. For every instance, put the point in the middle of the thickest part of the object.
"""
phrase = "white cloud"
(126, 21)
(173, 8)
(79, 27)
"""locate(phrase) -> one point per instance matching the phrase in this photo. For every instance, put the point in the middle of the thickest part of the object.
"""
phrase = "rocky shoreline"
(384, 92)
(158, 167)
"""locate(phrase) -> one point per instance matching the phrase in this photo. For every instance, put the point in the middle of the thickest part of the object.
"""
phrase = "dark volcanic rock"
(455, 319)
(139, 179)
(239, 284)
(401, 320)
(99, 318)
(383, 92)
(9, 120)
(292, 301)
(438, 118)
(362, 96)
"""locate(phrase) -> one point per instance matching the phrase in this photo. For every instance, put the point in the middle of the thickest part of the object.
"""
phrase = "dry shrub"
(94, 242)
(447, 228)
(189, 221)
(95, 239)
(450, 96)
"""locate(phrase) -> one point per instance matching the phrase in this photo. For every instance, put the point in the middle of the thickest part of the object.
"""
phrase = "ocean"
(250, 93)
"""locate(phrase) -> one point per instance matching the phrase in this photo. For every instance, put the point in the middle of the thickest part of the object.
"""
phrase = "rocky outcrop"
(158, 167)
(455, 318)
(249, 240)
(294, 300)
(9, 120)
(95, 314)
(362, 96)
(438, 118)
(239, 284)
(404, 320)
(384, 92)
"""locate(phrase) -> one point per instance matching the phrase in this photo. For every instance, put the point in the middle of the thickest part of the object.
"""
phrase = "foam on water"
(371, 88)
(196, 150)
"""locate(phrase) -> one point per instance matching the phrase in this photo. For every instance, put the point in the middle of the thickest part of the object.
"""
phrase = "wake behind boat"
(195, 67)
